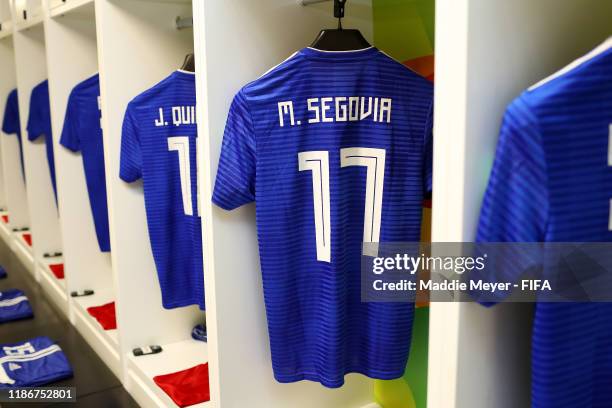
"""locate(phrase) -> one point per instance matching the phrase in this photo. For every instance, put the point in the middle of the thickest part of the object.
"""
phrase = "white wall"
(11, 181)
(73, 38)
(487, 52)
(30, 61)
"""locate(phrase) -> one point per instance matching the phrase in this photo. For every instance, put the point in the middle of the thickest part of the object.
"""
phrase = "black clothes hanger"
(340, 39)
(189, 63)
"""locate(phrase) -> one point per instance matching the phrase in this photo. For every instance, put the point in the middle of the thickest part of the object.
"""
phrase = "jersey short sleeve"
(10, 122)
(70, 133)
(235, 183)
(130, 167)
(515, 205)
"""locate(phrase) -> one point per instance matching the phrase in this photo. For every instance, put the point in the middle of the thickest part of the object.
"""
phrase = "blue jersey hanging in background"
(83, 132)
(32, 363)
(14, 305)
(39, 123)
(552, 182)
(335, 149)
(159, 146)
(10, 122)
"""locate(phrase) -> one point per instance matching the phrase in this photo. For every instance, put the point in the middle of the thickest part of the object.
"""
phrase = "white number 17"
(180, 145)
(317, 162)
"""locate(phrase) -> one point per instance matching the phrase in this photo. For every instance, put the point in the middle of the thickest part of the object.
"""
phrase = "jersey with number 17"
(159, 145)
(335, 148)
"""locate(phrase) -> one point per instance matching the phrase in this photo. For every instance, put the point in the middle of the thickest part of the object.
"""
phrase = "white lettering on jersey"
(313, 108)
(159, 122)
(331, 109)
(285, 108)
(324, 108)
(181, 115)
(341, 109)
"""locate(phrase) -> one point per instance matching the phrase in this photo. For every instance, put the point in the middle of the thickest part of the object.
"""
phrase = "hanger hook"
(339, 6)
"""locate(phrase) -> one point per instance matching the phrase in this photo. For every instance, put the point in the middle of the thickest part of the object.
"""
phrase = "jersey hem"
(174, 305)
(373, 374)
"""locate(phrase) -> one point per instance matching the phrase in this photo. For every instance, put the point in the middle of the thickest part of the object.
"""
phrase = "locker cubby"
(255, 37)
(480, 357)
(71, 36)
(483, 61)
(12, 188)
(139, 45)
(31, 68)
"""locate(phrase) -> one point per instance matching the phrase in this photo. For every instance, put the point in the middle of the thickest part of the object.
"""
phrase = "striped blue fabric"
(39, 124)
(14, 305)
(82, 132)
(32, 363)
(552, 181)
(159, 145)
(335, 149)
(10, 121)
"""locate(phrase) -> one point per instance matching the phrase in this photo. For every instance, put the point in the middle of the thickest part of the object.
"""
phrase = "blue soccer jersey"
(39, 123)
(83, 132)
(14, 305)
(552, 181)
(159, 146)
(32, 363)
(335, 149)
(10, 122)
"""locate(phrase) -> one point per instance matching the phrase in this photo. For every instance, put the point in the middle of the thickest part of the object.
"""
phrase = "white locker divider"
(5, 31)
(9, 145)
(238, 41)
(6, 20)
(30, 63)
(71, 36)
(138, 46)
(487, 52)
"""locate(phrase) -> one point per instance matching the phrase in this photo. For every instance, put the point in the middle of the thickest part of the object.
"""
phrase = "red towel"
(105, 315)
(27, 237)
(5, 219)
(187, 387)
(58, 270)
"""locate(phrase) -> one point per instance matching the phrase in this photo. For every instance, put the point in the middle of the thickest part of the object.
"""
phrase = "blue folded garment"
(199, 333)
(32, 363)
(14, 305)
